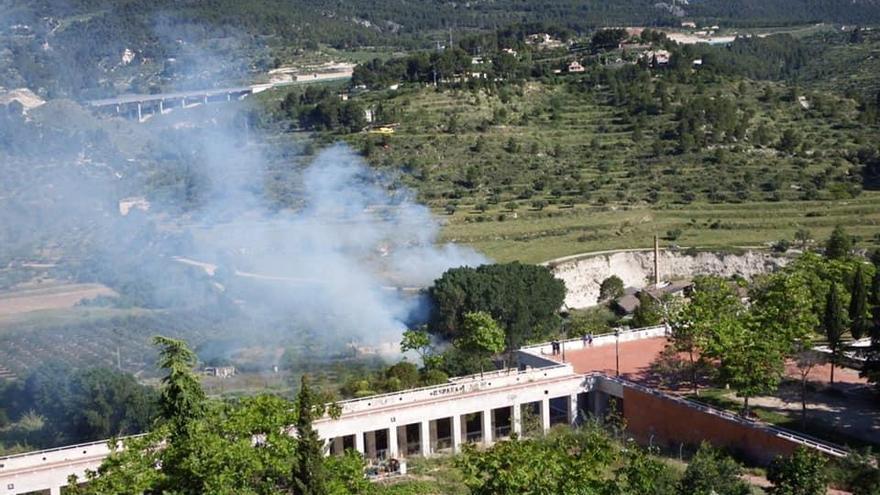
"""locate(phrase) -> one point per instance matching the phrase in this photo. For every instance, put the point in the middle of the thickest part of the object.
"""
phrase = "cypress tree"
(834, 324)
(875, 306)
(858, 306)
(308, 472)
(839, 244)
(871, 369)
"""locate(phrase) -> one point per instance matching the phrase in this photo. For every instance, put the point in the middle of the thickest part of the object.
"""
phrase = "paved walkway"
(636, 358)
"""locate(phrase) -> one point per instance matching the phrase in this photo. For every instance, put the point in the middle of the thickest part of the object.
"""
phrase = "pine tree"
(182, 400)
(834, 324)
(858, 306)
(308, 472)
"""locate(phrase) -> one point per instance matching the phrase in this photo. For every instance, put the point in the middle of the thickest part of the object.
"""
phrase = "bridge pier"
(140, 115)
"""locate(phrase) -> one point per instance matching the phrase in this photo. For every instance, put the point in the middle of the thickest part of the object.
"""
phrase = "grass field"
(555, 232)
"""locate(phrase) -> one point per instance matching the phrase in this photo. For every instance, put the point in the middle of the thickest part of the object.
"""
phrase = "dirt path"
(855, 415)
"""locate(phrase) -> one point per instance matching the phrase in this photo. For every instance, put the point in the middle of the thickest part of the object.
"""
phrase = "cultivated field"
(48, 295)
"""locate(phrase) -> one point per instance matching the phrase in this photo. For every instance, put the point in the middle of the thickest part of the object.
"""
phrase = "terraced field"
(558, 168)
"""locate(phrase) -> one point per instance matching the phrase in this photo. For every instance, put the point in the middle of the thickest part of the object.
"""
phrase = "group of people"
(556, 346)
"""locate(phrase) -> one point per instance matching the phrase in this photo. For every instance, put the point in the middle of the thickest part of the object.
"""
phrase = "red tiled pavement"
(636, 358)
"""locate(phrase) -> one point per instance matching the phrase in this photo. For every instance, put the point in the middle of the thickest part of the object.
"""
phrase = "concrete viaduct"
(480, 409)
(144, 106)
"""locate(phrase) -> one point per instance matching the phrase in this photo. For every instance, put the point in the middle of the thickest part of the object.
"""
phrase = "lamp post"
(617, 350)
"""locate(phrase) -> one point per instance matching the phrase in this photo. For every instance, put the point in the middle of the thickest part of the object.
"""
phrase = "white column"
(140, 116)
(338, 445)
(55, 490)
(392, 441)
(456, 433)
(488, 433)
(572, 409)
(370, 441)
(425, 438)
(359, 442)
(545, 414)
(402, 441)
(516, 419)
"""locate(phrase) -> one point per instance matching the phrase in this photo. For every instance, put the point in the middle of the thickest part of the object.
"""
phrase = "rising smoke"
(340, 260)
(335, 258)
(344, 263)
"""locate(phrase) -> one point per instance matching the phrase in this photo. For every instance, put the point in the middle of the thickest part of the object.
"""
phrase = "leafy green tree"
(834, 324)
(858, 305)
(481, 336)
(403, 374)
(641, 474)
(309, 476)
(611, 288)
(711, 472)
(781, 304)
(569, 464)
(649, 313)
(418, 341)
(839, 244)
(803, 473)
(696, 327)
(523, 299)
(348, 475)
(751, 362)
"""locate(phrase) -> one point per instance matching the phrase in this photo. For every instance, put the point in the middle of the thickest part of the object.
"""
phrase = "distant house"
(659, 58)
(689, 24)
(575, 67)
(628, 303)
(220, 371)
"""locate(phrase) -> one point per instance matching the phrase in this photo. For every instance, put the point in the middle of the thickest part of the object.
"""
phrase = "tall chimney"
(656, 260)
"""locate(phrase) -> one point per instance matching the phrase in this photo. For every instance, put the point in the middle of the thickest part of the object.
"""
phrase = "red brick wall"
(672, 423)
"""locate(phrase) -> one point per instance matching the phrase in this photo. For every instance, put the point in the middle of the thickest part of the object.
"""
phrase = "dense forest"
(76, 50)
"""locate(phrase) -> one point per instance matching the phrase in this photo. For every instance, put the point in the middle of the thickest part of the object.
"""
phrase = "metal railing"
(794, 436)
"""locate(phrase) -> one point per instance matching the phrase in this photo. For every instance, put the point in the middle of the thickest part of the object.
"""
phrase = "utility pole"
(617, 350)
(656, 260)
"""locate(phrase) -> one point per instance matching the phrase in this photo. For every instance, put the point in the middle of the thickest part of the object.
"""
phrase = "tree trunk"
(746, 407)
(694, 373)
(804, 404)
(832, 370)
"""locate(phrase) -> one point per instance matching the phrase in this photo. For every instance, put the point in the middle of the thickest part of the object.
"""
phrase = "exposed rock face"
(583, 275)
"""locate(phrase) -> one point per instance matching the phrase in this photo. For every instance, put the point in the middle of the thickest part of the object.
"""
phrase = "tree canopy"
(523, 299)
